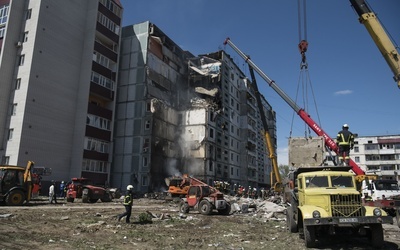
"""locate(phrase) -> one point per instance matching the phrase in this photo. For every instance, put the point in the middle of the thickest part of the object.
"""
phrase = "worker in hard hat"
(345, 142)
(128, 200)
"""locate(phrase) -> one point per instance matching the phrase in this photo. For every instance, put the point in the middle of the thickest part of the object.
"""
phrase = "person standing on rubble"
(128, 201)
(345, 142)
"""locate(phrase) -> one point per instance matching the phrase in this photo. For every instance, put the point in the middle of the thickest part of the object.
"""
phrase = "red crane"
(329, 142)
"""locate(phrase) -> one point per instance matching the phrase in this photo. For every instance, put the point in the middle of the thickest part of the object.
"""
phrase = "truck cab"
(325, 201)
(379, 189)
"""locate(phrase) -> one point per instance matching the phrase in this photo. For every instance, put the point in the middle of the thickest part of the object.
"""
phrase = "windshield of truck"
(387, 186)
(342, 181)
(316, 181)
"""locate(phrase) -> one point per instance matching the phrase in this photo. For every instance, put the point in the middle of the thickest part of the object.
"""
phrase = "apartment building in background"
(58, 67)
(378, 154)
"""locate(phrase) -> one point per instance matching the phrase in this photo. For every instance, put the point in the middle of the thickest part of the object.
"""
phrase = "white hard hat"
(345, 125)
(129, 187)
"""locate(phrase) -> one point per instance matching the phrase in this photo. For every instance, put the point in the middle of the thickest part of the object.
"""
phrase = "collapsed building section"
(181, 114)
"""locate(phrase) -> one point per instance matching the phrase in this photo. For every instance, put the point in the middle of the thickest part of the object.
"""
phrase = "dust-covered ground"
(78, 225)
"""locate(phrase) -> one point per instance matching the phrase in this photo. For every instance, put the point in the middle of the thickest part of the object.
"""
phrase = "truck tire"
(376, 235)
(309, 236)
(70, 199)
(183, 207)
(290, 222)
(398, 216)
(226, 210)
(107, 198)
(15, 198)
(85, 195)
(205, 207)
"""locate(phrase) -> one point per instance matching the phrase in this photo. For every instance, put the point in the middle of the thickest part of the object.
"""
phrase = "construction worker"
(345, 142)
(127, 204)
(52, 193)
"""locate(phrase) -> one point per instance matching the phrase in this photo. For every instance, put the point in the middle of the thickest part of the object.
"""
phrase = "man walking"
(52, 193)
(345, 142)
(127, 204)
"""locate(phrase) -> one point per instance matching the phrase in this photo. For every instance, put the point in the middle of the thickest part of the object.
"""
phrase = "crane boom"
(380, 37)
(276, 179)
(301, 112)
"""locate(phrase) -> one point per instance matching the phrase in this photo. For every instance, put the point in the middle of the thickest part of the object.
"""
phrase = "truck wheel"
(376, 235)
(226, 210)
(15, 198)
(398, 216)
(290, 222)
(107, 198)
(309, 236)
(93, 200)
(205, 207)
(70, 199)
(85, 196)
(183, 207)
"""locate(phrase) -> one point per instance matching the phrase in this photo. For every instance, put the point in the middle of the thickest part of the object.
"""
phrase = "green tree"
(283, 170)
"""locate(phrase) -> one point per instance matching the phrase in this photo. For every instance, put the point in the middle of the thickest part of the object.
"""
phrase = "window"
(2, 31)
(14, 109)
(4, 14)
(6, 160)
(211, 133)
(356, 149)
(144, 181)
(28, 14)
(145, 161)
(25, 37)
(357, 159)
(10, 133)
(105, 21)
(95, 166)
(21, 60)
(317, 181)
(98, 122)
(147, 125)
(18, 83)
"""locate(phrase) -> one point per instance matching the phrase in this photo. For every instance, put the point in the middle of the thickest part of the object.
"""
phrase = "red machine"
(329, 142)
(204, 198)
(83, 188)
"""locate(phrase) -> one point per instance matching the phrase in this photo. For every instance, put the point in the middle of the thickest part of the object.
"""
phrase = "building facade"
(58, 85)
(378, 154)
(183, 114)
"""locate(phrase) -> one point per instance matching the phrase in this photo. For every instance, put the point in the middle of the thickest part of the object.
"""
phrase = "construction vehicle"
(368, 18)
(383, 193)
(325, 201)
(83, 188)
(306, 212)
(178, 186)
(37, 173)
(16, 184)
(204, 198)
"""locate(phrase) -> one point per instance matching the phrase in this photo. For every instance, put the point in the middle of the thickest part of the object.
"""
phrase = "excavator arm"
(329, 142)
(380, 37)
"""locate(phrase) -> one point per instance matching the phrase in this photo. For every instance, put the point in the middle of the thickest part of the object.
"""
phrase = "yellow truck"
(325, 201)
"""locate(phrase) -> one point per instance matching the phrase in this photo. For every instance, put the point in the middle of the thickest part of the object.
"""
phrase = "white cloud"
(344, 92)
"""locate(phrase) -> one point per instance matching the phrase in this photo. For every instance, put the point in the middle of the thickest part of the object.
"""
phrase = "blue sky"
(350, 81)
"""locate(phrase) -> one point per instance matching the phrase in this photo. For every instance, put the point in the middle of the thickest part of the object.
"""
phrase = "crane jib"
(303, 115)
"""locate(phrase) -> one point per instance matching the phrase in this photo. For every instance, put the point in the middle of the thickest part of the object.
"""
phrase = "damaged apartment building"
(183, 114)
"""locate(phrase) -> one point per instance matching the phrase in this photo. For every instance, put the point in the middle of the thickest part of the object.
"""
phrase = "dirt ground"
(78, 225)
